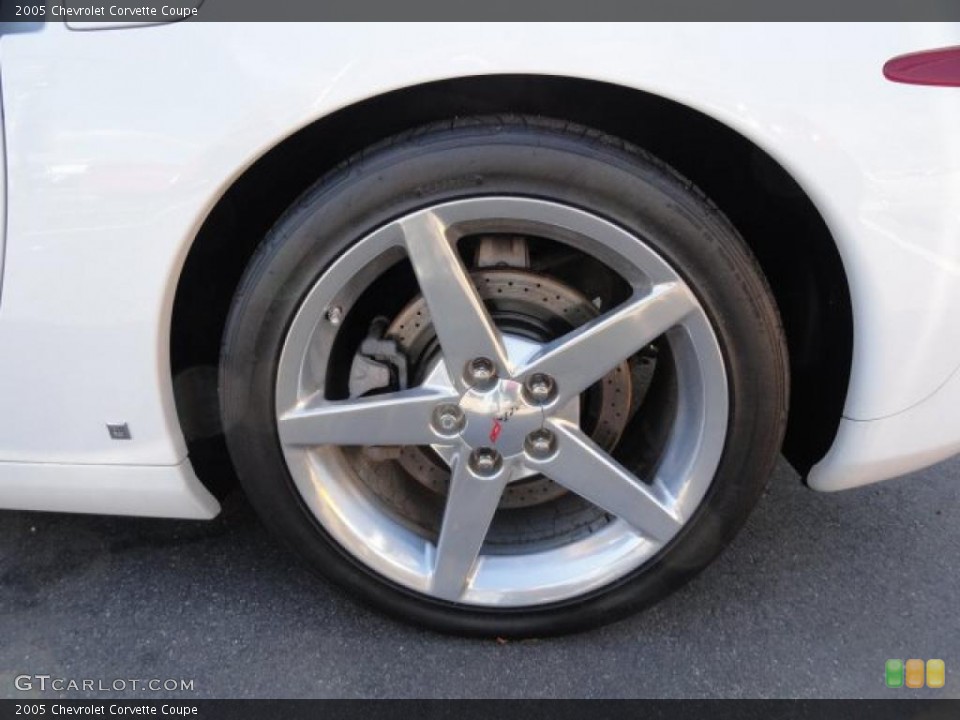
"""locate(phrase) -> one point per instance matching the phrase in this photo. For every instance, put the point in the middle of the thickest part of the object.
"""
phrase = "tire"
(540, 164)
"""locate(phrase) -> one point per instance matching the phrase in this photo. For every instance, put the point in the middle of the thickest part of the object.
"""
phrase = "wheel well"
(771, 211)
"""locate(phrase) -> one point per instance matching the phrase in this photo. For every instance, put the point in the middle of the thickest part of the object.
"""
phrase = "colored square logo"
(914, 673)
(936, 673)
(894, 673)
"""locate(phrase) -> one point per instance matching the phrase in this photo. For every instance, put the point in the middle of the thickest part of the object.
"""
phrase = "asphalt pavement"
(810, 600)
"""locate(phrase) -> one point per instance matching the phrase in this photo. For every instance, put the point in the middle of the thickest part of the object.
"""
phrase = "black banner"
(97, 12)
(486, 709)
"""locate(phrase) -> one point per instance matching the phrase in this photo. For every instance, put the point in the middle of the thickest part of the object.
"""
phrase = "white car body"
(120, 141)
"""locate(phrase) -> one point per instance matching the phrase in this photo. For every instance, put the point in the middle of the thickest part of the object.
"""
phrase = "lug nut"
(540, 388)
(485, 461)
(541, 444)
(481, 371)
(448, 419)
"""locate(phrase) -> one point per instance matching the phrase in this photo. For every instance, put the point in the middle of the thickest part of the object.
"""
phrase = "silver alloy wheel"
(513, 407)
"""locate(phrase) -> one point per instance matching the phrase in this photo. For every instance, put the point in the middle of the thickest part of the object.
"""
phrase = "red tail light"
(930, 67)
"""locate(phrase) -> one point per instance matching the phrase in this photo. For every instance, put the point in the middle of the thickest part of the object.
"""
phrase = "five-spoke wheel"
(524, 400)
(502, 415)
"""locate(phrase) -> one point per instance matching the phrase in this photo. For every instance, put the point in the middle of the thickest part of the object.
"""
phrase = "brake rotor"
(537, 308)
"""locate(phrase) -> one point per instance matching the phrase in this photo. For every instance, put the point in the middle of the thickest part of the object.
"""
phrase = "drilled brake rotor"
(534, 307)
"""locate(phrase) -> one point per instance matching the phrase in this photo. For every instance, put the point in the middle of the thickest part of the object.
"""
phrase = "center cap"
(499, 417)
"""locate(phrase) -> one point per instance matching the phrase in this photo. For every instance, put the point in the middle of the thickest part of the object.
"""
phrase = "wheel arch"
(778, 220)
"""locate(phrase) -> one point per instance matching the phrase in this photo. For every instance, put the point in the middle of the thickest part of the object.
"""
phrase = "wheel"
(504, 376)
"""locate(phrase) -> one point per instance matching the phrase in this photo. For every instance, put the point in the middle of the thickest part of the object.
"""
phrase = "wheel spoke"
(459, 317)
(580, 358)
(585, 469)
(397, 418)
(471, 504)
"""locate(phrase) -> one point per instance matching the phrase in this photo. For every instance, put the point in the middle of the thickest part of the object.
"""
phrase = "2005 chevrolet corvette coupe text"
(502, 327)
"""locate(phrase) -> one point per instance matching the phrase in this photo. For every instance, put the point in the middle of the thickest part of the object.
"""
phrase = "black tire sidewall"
(544, 160)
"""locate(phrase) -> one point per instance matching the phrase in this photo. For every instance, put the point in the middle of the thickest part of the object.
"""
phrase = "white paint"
(120, 142)
(867, 452)
(146, 490)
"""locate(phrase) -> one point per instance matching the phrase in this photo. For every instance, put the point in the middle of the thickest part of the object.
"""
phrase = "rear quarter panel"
(119, 142)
